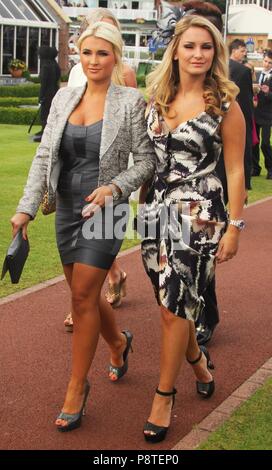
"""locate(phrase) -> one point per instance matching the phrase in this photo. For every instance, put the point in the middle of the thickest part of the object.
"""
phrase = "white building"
(27, 24)
(138, 20)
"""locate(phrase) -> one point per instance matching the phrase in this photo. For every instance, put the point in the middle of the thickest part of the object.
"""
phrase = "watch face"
(240, 224)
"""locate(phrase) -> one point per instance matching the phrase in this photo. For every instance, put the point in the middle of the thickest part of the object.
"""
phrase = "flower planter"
(16, 73)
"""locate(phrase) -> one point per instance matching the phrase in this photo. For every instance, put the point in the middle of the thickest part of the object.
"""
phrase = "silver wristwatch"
(238, 223)
(115, 193)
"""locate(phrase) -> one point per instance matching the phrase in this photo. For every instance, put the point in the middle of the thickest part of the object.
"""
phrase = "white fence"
(121, 14)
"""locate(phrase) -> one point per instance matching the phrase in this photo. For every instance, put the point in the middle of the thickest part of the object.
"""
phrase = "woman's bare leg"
(178, 340)
(174, 343)
(115, 273)
(116, 289)
(109, 329)
(111, 334)
(68, 272)
(200, 368)
(86, 287)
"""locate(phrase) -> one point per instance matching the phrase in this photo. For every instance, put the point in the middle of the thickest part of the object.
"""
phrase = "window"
(45, 37)
(144, 40)
(4, 12)
(8, 42)
(13, 10)
(40, 14)
(54, 35)
(129, 39)
(33, 46)
(135, 5)
(28, 25)
(103, 3)
(25, 10)
(21, 42)
(45, 12)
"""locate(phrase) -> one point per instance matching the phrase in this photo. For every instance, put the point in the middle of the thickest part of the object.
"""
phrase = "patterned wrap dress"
(184, 216)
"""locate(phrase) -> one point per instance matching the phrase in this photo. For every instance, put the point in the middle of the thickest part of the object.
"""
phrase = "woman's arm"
(36, 181)
(144, 161)
(143, 153)
(144, 191)
(76, 76)
(233, 131)
(129, 76)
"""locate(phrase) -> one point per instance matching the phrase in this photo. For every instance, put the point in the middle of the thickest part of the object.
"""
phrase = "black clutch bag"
(15, 258)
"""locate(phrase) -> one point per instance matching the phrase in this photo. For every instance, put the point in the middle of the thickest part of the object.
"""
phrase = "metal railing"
(121, 14)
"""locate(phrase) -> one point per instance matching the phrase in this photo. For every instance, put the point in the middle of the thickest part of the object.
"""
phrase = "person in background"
(263, 117)
(83, 156)
(206, 9)
(117, 277)
(251, 67)
(255, 139)
(242, 77)
(49, 78)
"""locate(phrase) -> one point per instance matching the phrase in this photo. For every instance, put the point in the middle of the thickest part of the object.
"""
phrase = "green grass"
(261, 187)
(249, 428)
(16, 154)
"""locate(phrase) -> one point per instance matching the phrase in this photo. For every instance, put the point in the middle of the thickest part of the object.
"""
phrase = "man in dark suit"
(242, 77)
(263, 118)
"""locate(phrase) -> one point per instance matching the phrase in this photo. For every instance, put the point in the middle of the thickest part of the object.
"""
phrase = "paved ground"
(35, 355)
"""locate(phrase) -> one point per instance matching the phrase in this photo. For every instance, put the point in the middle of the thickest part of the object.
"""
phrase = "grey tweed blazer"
(124, 131)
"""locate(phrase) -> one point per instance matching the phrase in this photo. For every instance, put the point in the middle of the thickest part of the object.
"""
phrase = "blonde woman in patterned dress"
(191, 114)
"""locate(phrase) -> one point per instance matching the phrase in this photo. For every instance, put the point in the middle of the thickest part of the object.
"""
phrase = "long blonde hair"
(163, 83)
(98, 15)
(109, 33)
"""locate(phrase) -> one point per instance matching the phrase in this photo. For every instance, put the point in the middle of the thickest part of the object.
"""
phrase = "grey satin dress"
(95, 241)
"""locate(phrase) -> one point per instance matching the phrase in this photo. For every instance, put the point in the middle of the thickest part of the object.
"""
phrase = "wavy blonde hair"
(109, 33)
(163, 83)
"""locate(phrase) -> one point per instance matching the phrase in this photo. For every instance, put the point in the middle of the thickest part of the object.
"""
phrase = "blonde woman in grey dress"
(83, 158)
(117, 277)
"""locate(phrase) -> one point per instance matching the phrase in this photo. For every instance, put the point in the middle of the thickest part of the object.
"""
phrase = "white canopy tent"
(249, 19)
